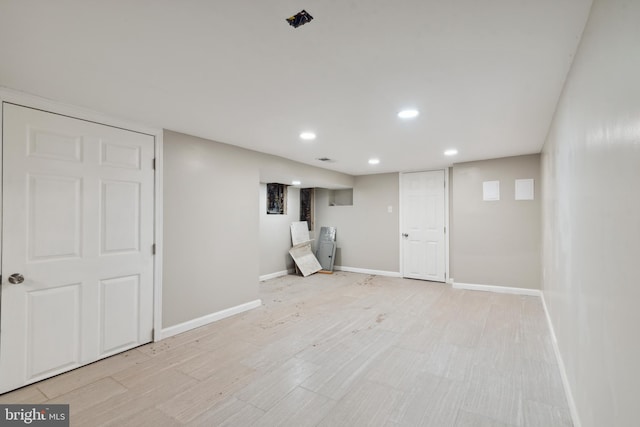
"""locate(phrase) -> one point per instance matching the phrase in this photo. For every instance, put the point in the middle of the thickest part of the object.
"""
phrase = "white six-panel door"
(423, 222)
(78, 225)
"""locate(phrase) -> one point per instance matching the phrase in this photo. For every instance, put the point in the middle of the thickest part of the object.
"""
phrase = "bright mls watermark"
(34, 415)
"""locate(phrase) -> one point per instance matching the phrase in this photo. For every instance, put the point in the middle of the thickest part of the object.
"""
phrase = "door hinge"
(153, 163)
(153, 249)
(445, 230)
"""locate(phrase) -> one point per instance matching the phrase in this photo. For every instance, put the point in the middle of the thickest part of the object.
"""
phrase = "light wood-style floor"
(334, 350)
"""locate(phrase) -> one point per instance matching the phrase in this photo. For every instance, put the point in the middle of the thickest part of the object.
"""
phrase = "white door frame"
(36, 102)
(446, 221)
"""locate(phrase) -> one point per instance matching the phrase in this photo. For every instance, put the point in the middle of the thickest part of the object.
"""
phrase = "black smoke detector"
(299, 18)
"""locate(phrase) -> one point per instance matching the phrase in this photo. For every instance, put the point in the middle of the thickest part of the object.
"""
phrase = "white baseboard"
(367, 271)
(498, 289)
(534, 292)
(209, 318)
(274, 275)
(563, 372)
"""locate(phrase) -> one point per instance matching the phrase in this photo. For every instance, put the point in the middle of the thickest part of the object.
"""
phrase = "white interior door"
(78, 226)
(423, 225)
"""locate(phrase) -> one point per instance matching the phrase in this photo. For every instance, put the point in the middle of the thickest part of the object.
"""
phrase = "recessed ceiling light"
(296, 182)
(374, 161)
(408, 114)
(308, 136)
(451, 152)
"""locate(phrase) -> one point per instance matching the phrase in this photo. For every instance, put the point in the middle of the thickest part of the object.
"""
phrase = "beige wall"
(212, 237)
(275, 233)
(591, 218)
(211, 249)
(495, 242)
(367, 234)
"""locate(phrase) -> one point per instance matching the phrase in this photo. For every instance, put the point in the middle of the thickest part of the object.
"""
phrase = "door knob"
(405, 235)
(16, 278)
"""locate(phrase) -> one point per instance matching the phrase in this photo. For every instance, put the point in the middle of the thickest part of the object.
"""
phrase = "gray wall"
(591, 218)
(212, 240)
(367, 234)
(211, 249)
(275, 233)
(495, 242)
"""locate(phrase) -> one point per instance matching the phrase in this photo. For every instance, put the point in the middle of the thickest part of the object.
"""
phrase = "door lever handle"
(405, 235)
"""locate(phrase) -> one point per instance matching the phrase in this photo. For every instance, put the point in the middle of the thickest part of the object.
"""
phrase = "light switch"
(390, 209)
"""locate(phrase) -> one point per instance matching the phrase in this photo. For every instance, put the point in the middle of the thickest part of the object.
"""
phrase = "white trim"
(209, 318)
(498, 289)
(32, 101)
(273, 275)
(158, 236)
(367, 271)
(446, 225)
(573, 409)
(401, 225)
(1, 189)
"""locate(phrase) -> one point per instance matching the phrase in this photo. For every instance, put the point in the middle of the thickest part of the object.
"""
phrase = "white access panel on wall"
(78, 227)
(423, 225)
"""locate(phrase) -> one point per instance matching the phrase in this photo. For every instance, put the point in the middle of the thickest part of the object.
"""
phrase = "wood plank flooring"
(333, 350)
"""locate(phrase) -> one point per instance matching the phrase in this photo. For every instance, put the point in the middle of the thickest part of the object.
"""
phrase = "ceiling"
(485, 75)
